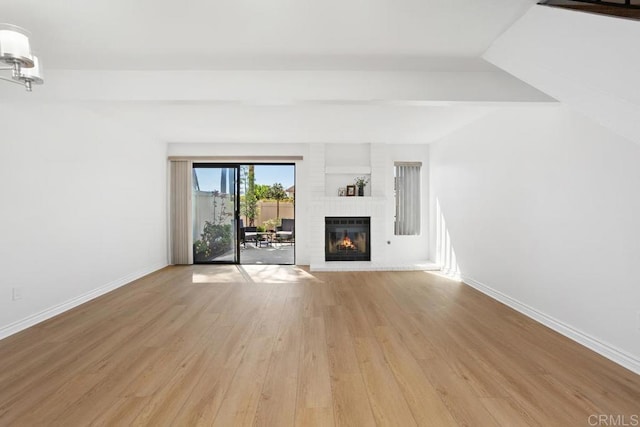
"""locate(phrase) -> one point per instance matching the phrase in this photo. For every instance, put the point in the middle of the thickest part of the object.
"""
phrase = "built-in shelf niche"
(343, 164)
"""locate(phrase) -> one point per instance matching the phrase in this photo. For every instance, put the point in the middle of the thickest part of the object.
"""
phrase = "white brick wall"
(380, 207)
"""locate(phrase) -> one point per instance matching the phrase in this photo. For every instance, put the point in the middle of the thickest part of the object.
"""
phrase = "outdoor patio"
(275, 253)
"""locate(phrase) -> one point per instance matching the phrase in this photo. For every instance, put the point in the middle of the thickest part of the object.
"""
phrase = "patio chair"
(286, 232)
(248, 234)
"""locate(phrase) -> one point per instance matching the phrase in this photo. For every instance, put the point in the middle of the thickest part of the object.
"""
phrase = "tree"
(250, 207)
(262, 191)
(251, 179)
(277, 193)
(244, 172)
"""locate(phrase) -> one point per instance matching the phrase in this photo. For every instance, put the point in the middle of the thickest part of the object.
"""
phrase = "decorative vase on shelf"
(360, 183)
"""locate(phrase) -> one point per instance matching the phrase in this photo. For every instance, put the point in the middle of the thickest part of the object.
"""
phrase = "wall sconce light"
(15, 51)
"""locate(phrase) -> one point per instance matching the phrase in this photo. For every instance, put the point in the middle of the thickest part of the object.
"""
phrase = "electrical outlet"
(16, 294)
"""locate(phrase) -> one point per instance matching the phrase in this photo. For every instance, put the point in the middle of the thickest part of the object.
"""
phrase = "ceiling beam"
(284, 87)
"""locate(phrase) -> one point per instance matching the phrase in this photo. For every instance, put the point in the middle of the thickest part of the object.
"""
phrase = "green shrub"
(214, 241)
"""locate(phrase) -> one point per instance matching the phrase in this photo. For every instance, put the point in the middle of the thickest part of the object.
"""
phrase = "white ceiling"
(280, 34)
(444, 39)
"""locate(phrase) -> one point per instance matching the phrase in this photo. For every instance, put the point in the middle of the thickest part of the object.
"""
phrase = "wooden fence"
(267, 211)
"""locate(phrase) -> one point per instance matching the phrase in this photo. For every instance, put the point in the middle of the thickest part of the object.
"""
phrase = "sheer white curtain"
(180, 206)
(407, 183)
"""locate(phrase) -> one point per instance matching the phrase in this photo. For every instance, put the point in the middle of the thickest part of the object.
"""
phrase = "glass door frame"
(237, 203)
(236, 209)
(269, 163)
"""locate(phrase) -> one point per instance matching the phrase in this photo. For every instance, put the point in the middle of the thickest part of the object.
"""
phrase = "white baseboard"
(34, 319)
(610, 352)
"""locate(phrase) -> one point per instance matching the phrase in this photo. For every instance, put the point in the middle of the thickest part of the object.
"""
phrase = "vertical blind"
(181, 212)
(407, 185)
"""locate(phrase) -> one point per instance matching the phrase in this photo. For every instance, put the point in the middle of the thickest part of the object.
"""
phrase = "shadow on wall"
(445, 255)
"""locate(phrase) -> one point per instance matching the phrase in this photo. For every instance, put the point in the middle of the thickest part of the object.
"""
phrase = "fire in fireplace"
(347, 238)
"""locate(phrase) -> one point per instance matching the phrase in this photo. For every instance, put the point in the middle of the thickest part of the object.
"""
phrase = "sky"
(209, 178)
(269, 174)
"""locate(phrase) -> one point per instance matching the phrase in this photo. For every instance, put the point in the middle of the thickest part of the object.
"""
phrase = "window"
(407, 192)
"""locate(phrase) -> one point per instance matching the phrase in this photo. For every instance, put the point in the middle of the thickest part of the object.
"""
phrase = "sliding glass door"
(215, 207)
(267, 210)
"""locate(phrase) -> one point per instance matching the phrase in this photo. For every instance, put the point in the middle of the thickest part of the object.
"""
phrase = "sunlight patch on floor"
(276, 273)
(218, 274)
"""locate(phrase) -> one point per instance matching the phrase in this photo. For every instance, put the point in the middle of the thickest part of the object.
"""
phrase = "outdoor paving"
(276, 253)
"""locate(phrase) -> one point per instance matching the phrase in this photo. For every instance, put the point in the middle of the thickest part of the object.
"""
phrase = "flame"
(347, 243)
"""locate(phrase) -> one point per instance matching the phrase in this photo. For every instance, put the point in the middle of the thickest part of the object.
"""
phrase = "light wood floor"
(278, 346)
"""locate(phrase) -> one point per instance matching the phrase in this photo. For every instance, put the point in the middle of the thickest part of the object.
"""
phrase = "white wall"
(543, 208)
(83, 209)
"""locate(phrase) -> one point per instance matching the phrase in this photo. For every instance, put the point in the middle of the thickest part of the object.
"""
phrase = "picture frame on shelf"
(351, 190)
(342, 191)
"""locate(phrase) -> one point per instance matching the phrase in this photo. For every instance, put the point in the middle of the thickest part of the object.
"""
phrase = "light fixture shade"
(14, 46)
(33, 74)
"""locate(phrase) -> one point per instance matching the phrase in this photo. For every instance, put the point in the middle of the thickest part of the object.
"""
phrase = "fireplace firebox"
(347, 238)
